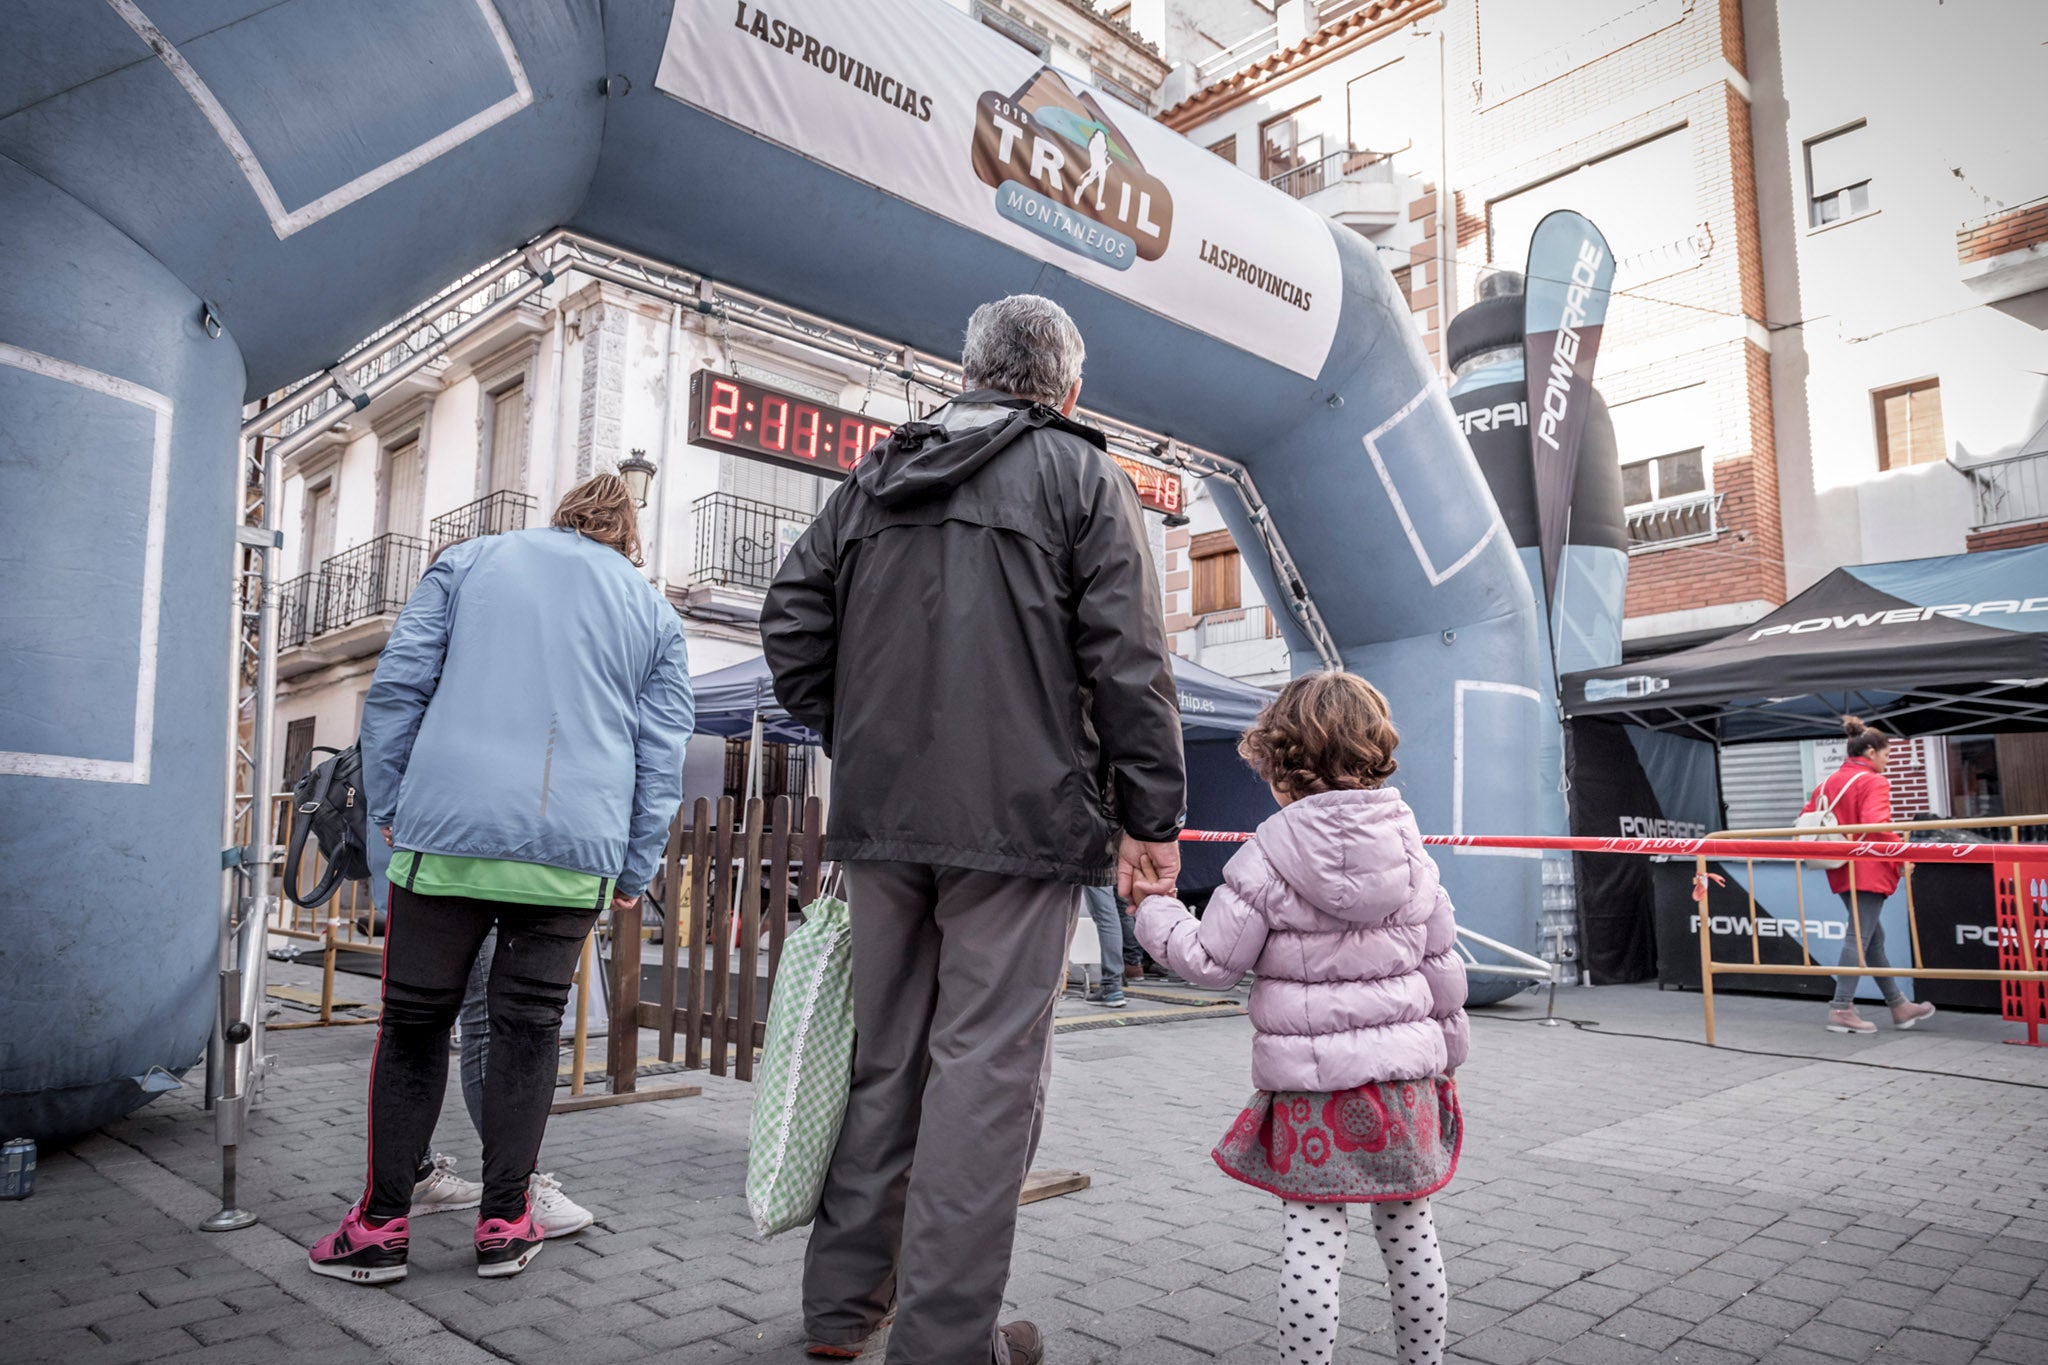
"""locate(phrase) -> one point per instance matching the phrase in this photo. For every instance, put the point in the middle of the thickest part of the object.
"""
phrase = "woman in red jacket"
(1858, 794)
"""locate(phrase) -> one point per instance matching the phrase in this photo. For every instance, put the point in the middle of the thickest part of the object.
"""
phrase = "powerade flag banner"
(1571, 273)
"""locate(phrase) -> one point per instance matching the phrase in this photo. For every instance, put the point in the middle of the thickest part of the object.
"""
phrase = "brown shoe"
(1026, 1346)
(1134, 973)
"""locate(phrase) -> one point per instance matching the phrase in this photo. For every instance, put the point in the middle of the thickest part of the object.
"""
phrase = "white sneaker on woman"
(557, 1214)
(442, 1189)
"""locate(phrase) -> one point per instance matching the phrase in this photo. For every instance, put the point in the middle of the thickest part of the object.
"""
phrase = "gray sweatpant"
(954, 978)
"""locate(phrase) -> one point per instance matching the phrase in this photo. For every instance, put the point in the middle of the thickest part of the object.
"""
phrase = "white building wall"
(1948, 97)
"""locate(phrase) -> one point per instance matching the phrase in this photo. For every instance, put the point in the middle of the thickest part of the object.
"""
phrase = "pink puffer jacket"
(1337, 907)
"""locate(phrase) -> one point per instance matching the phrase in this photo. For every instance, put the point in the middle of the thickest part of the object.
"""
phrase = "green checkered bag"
(806, 1071)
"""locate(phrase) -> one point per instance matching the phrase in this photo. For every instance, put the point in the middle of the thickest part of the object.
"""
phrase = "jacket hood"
(1345, 852)
(925, 458)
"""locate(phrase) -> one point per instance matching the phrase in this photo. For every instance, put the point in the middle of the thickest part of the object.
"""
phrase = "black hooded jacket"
(974, 627)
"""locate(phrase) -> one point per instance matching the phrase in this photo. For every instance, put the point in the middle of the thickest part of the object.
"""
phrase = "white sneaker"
(443, 1189)
(557, 1214)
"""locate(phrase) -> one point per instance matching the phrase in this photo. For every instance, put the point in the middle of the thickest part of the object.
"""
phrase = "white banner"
(919, 101)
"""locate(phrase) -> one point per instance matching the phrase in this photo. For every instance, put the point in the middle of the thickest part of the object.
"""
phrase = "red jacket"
(1861, 796)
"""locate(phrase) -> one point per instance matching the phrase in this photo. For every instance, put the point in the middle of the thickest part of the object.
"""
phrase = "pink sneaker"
(361, 1254)
(503, 1247)
(1911, 1013)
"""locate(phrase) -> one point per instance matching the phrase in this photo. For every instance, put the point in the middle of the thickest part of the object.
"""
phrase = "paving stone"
(1501, 1345)
(1653, 1330)
(1687, 1206)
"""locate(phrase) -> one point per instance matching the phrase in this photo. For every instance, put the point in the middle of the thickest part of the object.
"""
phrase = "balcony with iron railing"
(295, 610)
(1684, 520)
(1241, 643)
(491, 515)
(741, 542)
(373, 579)
(2011, 491)
(1353, 186)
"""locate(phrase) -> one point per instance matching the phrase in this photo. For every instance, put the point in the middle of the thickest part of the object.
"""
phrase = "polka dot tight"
(1415, 1279)
(1312, 1274)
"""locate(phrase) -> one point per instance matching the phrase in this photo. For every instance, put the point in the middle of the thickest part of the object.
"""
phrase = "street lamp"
(638, 472)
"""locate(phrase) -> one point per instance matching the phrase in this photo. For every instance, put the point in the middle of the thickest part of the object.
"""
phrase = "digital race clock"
(766, 424)
(757, 421)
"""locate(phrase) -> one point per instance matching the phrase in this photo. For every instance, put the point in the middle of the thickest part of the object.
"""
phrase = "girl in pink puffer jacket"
(1357, 1011)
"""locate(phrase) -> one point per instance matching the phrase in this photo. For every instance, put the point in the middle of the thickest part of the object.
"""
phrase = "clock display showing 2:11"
(766, 424)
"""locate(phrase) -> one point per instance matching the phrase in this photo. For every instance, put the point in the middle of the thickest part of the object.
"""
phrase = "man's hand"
(387, 837)
(1144, 869)
(624, 903)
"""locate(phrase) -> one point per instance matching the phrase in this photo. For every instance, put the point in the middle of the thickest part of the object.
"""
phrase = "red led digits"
(725, 405)
(806, 443)
(774, 417)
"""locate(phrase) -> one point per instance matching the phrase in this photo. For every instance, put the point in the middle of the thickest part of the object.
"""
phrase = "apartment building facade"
(1825, 345)
(488, 437)
(1903, 184)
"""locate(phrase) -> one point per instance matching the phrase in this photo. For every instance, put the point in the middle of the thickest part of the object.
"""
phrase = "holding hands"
(1144, 869)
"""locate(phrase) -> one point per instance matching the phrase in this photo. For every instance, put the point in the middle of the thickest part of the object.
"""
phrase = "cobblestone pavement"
(1626, 1195)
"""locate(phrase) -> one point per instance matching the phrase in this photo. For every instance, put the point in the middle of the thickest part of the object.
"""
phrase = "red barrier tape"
(1781, 850)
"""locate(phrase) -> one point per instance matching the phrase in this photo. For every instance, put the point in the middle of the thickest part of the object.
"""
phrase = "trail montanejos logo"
(1062, 169)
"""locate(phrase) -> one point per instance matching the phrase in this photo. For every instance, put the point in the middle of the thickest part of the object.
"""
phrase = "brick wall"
(2013, 230)
(1180, 620)
(1910, 776)
(1700, 323)
(2007, 537)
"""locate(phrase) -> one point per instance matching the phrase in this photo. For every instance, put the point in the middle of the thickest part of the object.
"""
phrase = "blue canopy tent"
(1214, 711)
(1212, 706)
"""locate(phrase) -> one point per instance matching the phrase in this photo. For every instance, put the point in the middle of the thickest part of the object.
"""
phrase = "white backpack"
(1822, 817)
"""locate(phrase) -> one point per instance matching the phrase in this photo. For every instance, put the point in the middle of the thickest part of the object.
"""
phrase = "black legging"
(429, 944)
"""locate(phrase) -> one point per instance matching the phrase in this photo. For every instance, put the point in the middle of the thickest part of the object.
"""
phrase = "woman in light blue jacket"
(523, 755)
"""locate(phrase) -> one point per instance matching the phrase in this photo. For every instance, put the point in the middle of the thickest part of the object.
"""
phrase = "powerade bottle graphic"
(1619, 689)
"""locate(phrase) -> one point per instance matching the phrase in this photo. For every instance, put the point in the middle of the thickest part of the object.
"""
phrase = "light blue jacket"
(533, 704)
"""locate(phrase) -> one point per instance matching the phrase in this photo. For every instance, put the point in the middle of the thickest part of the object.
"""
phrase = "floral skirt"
(1388, 1141)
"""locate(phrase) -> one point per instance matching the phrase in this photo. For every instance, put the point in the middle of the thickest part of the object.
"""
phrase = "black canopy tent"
(1923, 646)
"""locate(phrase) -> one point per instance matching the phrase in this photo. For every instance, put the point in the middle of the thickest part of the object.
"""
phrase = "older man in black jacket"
(974, 627)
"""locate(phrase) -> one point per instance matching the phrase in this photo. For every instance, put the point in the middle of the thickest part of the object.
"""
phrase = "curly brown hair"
(601, 507)
(1325, 732)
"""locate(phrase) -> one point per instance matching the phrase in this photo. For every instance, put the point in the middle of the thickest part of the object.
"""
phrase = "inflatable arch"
(200, 203)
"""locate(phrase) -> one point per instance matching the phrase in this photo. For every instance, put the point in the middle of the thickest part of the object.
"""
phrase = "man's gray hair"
(1024, 345)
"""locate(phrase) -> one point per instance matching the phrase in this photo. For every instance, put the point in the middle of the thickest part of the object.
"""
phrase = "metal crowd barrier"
(2024, 985)
(2024, 904)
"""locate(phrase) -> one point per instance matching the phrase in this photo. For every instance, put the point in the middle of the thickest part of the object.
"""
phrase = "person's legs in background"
(1865, 908)
(557, 1214)
(1134, 951)
(1109, 933)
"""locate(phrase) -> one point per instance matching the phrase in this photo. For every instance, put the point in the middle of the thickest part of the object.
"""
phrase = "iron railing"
(1235, 627)
(740, 542)
(295, 610)
(372, 579)
(491, 515)
(1676, 521)
(2010, 491)
(1349, 163)
(1254, 47)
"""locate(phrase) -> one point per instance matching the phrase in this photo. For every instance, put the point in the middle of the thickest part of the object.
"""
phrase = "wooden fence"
(726, 883)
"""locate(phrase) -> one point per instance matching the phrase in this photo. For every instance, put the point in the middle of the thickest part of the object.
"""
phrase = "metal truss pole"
(236, 1049)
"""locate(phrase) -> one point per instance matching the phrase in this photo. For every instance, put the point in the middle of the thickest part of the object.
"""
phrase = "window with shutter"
(505, 439)
(401, 488)
(1909, 429)
(1216, 578)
